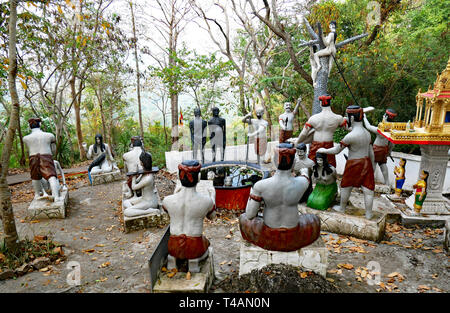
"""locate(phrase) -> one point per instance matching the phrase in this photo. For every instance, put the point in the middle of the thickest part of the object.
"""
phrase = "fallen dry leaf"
(346, 266)
(106, 264)
(188, 275)
(303, 274)
(171, 274)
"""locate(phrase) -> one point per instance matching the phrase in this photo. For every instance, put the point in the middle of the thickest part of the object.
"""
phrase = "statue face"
(197, 112)
(97, 140)
(332, 27)
(301, 153)
(402, 162)
(320, 161)
(215, 112)
(287, 107)
(423, 175)
(259, 113)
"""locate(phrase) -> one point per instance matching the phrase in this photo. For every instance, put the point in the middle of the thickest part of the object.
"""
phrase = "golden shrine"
(431, 125)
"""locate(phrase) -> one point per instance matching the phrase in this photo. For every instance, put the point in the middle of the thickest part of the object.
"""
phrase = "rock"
(40, 263)
(6, 274)
(25, 268)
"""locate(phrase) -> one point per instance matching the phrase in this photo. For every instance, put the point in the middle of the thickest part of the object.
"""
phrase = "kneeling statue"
(187, 209)
(326, 189)
(280, 228)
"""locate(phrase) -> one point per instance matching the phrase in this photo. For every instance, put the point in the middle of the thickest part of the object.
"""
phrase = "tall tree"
(6, 210)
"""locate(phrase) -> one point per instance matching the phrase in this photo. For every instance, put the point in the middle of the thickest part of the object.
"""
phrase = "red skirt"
(357, 173)
(42, 166)
(187, 247)
(381, 153)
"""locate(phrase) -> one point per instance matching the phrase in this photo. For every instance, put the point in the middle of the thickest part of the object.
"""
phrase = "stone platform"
(45, 208)
(353, 222)
(311, 258)
(145, 221)
(105, 178)
(199, 282)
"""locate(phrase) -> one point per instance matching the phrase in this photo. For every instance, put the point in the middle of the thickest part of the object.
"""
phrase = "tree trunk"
(321, 86)
(138, 83)
(76, 105)
(6, 210)
(22, 160)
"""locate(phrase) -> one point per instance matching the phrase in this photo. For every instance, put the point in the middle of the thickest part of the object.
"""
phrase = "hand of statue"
(321, 150)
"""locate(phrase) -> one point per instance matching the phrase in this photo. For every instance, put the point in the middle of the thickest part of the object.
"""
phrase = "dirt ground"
(408, 260)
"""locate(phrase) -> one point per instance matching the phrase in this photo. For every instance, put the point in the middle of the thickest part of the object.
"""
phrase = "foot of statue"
(171, 262)
(338, 208)
(193, 264)
(130, 212)
(369, 214)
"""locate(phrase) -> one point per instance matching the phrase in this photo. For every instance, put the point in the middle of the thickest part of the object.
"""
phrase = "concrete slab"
(145, 221)
(46, 208)
(353, 222)
(106, 177)
(311, 258)
(199, 282)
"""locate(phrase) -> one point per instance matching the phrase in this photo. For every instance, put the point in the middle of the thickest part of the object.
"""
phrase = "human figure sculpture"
(257, 132)
(217, 134)
(132, 163)
(329, 50)
(144, 180)
(325, 190)
(303, 166)
(198, 134)
(321, 127)
(399, 172)
(420, 191)
(187, 209)
(312, 62)
(46, 184)
(286, 121)
(103, 159)
(281, 228)
(358, 170)
(41, 145)
(382, 147)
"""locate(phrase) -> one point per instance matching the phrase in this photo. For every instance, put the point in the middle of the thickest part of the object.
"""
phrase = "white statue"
(187, 209)
(143, 180)
(382, 147)
(281, 228)
(286, 121)
(329, 50)
(41, 145)
(132, 164)
(321, 128)
(45, 183)
(103, 159)
(303, 166)
(358, 170)
(257, 132)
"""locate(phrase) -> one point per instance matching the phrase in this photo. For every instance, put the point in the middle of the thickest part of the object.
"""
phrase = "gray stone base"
(45, 208)
(311, 258)
(145, 221)
(440, 205)
(105, 178)
(199, 282)
(381, 188)
(353, 222)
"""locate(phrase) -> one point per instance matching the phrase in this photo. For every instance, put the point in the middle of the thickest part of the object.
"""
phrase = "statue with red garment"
(320, 128)
(187, 209)
(280, 228)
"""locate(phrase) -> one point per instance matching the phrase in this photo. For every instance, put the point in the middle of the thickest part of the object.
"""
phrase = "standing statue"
(257, 132)
(321, 127)
(187, 209)
(286, 121)
(421, 191)
(217, 134)
(358, 170)
(132, 164)
(143, 180)
(329, 50)
(41, 145)
(399, 172)
(325, 191)
(382, 147)
(198, 134)
(45, 183)
(103, 159)
(281, 228)
(303, 166)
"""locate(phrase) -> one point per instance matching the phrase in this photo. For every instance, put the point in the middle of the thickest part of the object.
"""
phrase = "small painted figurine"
(321, 127)
(187, 209)
(358, 170)
(325, 190)
(382, 147)
(421, 191)
(399, 172)
(217, 134)
(41, 145)
(257, 132)
(281, 228)
(286, 121)
(144, 181)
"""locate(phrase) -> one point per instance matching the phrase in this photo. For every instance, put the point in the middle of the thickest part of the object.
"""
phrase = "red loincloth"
(42, 166)
(187, 247)
(315, 145)
(357, 173)
(280, 239)
(261, 146)
(381, 153)
(285, 135)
